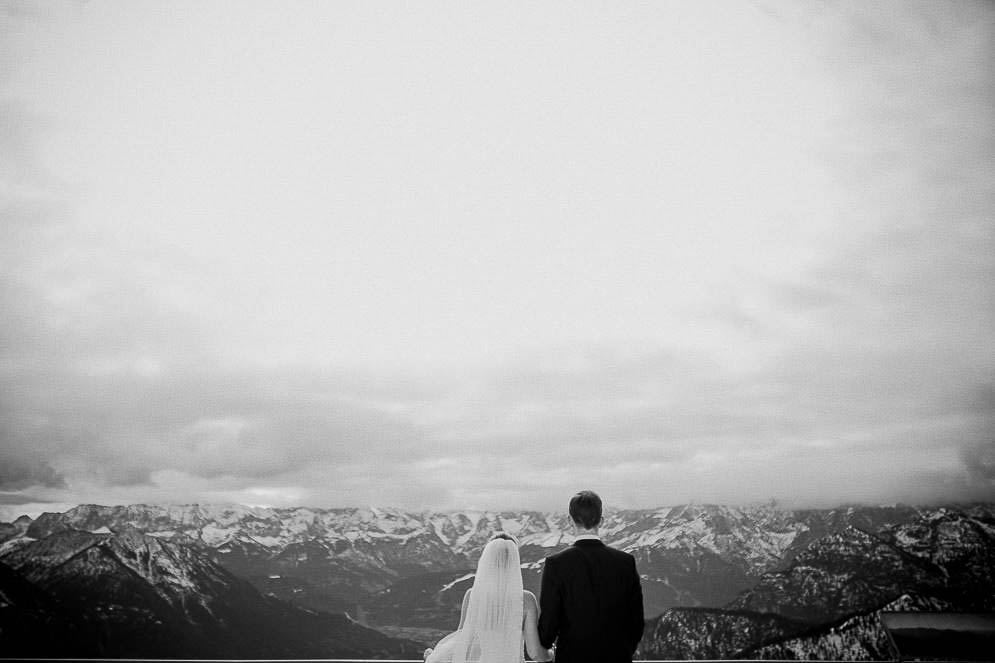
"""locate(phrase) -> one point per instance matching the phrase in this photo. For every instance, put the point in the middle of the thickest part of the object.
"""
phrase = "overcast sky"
(445, 255)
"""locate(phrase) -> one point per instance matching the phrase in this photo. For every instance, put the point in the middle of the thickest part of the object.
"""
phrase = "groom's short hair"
(585, 509)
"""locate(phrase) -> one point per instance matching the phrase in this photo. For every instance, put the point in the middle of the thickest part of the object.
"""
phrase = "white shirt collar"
(587, 537)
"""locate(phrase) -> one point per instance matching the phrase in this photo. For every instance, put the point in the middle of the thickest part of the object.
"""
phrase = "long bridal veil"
(492, 626)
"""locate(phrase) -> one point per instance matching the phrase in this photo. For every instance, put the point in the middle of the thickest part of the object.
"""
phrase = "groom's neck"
(580, 530)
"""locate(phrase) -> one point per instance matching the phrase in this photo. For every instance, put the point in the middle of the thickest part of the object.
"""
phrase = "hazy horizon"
(483, 256)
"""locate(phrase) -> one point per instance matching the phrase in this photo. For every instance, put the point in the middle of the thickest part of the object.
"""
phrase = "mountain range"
(718, 581)
(128, 594)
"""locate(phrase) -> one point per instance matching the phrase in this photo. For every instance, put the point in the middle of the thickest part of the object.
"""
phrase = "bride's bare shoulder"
(530, 599)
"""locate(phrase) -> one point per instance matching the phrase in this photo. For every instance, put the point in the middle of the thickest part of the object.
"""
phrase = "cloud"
(658, 427)
(837, 352)
(662, 426)
(206, 422)
(17, 473)
(19, 498)
(979, 460)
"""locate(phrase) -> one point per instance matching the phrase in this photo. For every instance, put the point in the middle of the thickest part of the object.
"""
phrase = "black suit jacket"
(591, 604)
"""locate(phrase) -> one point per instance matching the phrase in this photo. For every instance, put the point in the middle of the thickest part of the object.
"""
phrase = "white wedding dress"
(492, 623)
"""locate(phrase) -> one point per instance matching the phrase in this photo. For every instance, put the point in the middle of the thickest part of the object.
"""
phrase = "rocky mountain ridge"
(127, 594)
(689, 555)
(749, 577)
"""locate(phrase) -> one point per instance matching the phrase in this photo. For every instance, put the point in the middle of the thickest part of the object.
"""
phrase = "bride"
(498, 618)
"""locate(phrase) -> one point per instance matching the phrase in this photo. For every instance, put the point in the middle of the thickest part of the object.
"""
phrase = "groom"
(591, 602)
